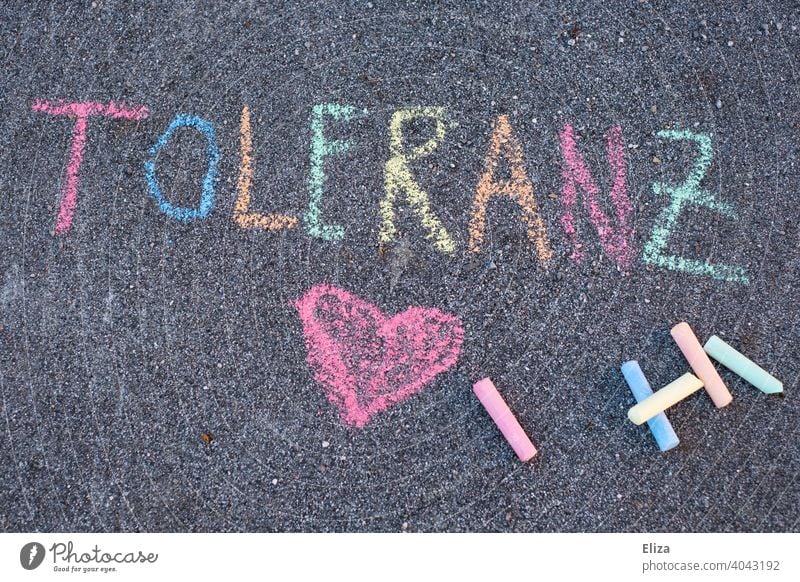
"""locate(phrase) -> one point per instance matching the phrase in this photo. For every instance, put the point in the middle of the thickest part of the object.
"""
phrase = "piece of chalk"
(670, 394)
(659, 425)
(505, 419)
(742, 366)
(702, 366)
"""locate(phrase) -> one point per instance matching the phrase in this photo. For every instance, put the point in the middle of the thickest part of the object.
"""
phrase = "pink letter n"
(81, 113)
(617, 243)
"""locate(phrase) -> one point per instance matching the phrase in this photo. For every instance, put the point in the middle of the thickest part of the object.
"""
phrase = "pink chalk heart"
(366, 361)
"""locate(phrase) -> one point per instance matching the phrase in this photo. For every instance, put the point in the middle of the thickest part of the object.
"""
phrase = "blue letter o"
(207, 196)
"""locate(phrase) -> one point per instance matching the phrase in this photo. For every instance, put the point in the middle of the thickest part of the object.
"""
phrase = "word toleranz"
(615, 231)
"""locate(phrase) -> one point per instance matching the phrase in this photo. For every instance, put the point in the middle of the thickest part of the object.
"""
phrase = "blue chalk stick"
(659, 425)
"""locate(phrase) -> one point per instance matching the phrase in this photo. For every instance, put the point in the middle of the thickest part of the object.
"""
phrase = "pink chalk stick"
(505, 419)
(81, 111)
(702, 366)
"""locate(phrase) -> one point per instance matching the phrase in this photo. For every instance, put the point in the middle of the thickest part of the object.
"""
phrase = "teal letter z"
(689, 193)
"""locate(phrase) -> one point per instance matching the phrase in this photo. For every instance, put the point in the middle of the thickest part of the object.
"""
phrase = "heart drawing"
(367, 361)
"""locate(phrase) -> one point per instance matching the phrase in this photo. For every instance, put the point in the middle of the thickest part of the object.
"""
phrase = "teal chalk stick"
(741, 365)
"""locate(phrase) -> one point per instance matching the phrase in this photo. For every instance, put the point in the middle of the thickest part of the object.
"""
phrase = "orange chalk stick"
(702, 366)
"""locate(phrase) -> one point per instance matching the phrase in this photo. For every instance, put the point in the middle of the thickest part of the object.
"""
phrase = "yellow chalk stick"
(670, 394)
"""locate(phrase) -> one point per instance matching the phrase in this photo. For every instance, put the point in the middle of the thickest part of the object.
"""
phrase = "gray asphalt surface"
(125, 341)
